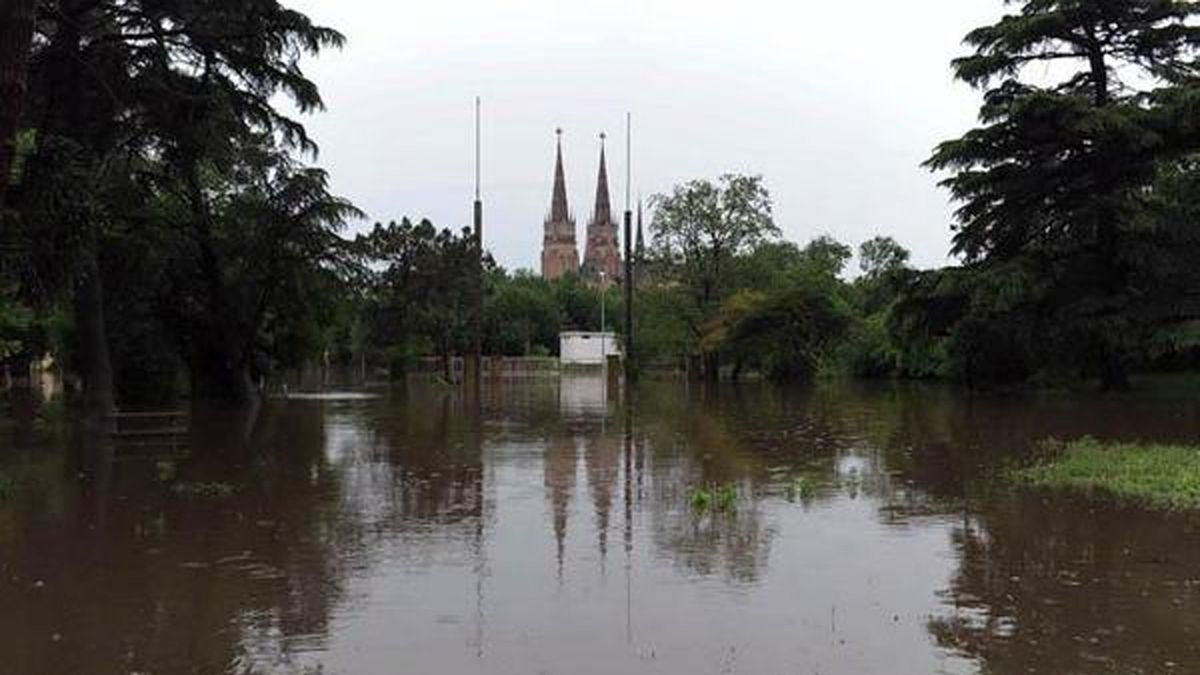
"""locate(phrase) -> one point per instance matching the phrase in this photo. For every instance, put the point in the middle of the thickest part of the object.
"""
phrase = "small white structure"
(587, 349)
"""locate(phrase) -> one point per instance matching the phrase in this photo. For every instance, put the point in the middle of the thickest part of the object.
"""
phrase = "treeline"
(758, 305)
(415, 300)
(162, 230)
(159, 217)
(1078, 196)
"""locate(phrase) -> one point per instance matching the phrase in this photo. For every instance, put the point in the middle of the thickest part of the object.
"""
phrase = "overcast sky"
(836, 104)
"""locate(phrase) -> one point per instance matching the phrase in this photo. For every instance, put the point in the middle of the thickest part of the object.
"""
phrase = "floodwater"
(546, 528)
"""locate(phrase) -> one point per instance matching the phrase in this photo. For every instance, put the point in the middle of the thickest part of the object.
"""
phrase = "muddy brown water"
(546, 528)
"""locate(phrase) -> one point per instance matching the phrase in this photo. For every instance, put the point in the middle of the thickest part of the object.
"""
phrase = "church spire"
(559, 254)
(602, 259)
(558, 206)
(603, 207)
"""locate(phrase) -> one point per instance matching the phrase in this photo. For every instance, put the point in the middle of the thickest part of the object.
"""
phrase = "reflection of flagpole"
(480, 554)
(628, 520)
(603, 335)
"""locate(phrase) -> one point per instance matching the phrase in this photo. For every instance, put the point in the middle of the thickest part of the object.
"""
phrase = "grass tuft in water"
(719, 498)
(803, 489)
(1156, 476)
(215, 489)
(8, 487)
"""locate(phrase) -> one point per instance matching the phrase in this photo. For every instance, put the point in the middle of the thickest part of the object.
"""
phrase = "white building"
(587, 349)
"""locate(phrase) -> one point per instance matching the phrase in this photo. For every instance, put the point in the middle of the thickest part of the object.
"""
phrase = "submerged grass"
(214, 489)
(803, 489)
(714, 498)
(1156, 476)
(8, 487)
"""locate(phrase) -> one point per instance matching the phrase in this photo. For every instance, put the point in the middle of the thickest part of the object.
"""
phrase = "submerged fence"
(494, 367)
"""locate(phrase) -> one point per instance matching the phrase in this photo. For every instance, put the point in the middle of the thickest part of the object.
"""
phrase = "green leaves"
(15, 323)
(701, 226)
(423, 283)
(1052, 186)
(787, 335)
(880, 256)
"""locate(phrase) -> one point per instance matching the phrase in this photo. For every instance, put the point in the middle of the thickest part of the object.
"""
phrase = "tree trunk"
(97, 370)
(66, 73)
(218, 378)
(1114, 376)
(16, 34)
(712, 367)
(226, 341)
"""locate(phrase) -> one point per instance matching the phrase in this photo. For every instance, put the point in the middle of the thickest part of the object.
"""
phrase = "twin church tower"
(560, 255)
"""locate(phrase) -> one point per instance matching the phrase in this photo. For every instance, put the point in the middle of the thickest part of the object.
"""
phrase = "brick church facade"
(560, 254)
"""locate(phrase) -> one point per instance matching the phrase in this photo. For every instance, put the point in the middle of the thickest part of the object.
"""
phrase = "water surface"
(546, 528)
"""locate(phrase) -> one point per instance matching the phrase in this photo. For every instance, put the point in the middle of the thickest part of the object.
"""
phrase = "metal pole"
(604, 346)
(630, 366)
(476, 369)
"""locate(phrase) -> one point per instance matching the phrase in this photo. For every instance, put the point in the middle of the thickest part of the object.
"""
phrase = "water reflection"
(546, 528)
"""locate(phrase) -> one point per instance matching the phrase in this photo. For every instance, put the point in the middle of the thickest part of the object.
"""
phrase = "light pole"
(603, 337)
(475, 361)
(630, 364)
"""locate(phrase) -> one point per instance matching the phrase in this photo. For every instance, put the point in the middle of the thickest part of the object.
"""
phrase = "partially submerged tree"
(521, 315)
(1058, 172)
(134, 102)
(16, 39)
(701, 227)
(422, 289)
(789, 335)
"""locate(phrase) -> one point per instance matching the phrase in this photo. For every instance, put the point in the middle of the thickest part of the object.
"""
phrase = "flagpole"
(476, 357)
(630, 364)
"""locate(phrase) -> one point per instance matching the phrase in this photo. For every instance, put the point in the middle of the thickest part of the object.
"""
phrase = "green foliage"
(8, 487)
(521, 315)
(160, 196)
(715, 498)
(823, 260)
(665, 320)
(16, 320)
(422, 289)
(419, 288)
(579, 304)
(1157, 476)
(788, 335)
(881, 256)
(803, 489)
(770, 266)
(869, 352)
(716, 334)
(1060, 218)
(702, 226)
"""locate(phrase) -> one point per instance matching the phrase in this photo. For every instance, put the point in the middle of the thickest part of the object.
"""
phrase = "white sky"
(835, 104)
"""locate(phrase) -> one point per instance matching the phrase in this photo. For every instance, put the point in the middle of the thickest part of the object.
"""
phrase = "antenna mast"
(630, 366)
(475, 358)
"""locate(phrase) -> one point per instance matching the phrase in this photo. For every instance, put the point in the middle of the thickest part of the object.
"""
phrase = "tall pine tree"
(1085, 101)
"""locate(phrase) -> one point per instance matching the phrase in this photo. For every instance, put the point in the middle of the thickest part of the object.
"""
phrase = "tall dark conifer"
(166, 93)
(16, 36)
(1055, 176)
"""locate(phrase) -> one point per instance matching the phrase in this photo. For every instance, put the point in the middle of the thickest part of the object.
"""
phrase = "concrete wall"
(587, 349)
